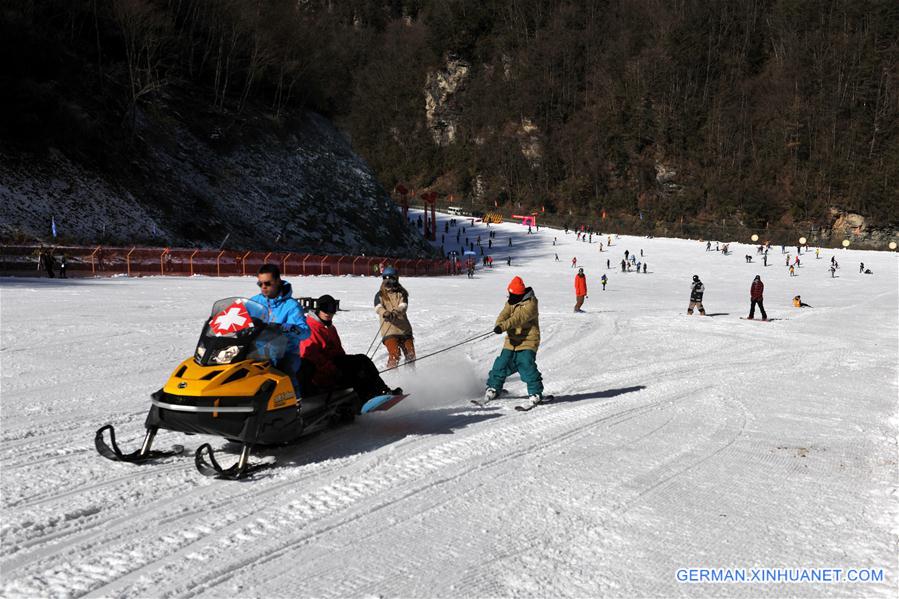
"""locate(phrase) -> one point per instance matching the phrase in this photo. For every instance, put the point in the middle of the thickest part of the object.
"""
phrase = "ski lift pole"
(439, 351)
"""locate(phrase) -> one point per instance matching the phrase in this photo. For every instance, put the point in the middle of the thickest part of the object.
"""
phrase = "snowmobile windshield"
(237, 330)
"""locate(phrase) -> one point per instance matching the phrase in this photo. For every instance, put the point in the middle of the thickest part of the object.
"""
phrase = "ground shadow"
(597, 394)
(719, 314)
(367, 433)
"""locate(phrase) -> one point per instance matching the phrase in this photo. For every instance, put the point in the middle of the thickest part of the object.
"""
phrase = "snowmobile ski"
(111, 451)
(239, 470)
(381, 403)
(530, 406)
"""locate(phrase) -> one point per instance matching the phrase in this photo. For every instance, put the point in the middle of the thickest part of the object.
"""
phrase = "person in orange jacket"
(580, 289)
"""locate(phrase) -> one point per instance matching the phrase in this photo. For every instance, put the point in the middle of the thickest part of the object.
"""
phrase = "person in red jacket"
(325, 364)
(580, 289)
(756, 296)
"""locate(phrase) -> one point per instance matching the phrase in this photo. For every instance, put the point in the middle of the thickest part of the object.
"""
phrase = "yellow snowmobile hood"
(240, 379)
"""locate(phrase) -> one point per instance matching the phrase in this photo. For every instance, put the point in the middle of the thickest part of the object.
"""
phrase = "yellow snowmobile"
(231, 388)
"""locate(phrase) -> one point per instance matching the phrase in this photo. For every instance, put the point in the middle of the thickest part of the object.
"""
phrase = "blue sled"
(380, 403)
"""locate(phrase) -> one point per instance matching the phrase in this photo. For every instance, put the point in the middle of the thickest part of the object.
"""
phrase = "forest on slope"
(769, 112)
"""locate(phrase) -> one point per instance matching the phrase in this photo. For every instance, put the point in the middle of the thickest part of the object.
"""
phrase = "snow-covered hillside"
(673, 442)
(301, 188)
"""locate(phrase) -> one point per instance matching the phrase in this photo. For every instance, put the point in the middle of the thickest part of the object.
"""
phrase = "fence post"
(321, 266)
(284, 264)
(161, 261)
(128, 261)
(338, 263)
(243, 263)
(354, 264)
(265, 260)
(94, 266)
(417, 264)
(218, 264)
(192, 262)
(306, 257)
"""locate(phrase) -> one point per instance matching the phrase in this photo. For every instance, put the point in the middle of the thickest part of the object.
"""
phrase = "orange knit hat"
(516, 286)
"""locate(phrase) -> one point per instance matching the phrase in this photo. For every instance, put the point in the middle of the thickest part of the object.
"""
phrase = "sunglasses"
(264, 283)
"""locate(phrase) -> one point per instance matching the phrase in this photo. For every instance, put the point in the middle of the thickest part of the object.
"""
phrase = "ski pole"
(370, 345)
(440, 351)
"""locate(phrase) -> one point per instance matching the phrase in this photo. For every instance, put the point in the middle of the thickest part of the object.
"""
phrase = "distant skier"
(861, 267)
(833, 271)
(508, 260)
(604, 279)
(608, 264)
(756, 297)
(696, 292)
(574, 262)
(520, 320)
(626, 253)
(623, 266)
(580, 289)
(792, 271)
(62, 267)
(557, 257)
(392, 304)
(798, 303)
(708, 246)
(765, 259)
(644, 268)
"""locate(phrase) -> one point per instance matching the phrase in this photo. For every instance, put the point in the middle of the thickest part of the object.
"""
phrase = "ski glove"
(498, 330)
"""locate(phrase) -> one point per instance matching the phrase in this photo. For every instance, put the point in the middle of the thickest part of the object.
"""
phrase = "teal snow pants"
(523, 362)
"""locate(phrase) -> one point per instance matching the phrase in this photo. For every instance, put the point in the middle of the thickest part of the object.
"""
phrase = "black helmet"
(326, 304)
(695, 278)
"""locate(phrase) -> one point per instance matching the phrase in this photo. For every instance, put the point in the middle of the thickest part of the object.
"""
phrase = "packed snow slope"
(673, 441)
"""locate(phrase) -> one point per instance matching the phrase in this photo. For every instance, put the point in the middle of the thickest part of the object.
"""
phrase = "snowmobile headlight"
(201, 351)
(224, 356)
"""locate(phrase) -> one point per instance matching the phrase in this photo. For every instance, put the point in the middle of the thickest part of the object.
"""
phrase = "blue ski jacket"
(285, 311)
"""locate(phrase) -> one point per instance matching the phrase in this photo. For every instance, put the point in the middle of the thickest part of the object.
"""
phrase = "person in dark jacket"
(326, 365)
(756, 296)
(696, 292)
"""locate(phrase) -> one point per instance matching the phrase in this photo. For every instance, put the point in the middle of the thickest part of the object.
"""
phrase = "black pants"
(354, 371)
(761, 307)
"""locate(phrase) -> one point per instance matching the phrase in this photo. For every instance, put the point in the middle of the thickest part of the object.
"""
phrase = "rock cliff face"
(441, 113)
(299, 187)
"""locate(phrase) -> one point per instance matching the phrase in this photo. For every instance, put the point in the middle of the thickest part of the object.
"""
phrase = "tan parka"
(521, 322)
(391, 306)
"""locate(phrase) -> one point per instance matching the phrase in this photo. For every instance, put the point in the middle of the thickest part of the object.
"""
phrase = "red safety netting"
(103, 261)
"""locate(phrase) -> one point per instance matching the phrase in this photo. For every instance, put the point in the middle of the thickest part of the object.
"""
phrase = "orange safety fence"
(104, 261)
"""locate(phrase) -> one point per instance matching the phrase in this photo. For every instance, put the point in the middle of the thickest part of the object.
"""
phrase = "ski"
(480, 401)
(530, 406)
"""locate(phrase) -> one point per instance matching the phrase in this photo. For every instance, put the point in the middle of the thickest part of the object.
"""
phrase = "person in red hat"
(520, 320)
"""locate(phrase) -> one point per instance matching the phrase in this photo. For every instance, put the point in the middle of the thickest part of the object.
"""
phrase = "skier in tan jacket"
(391, 304)
(520, 320)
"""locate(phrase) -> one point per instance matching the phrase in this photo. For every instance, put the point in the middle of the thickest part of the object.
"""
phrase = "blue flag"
(53, 225)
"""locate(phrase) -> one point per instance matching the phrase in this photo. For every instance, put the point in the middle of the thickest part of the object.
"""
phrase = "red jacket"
(757, 289)
(580, 285)
(321, 348)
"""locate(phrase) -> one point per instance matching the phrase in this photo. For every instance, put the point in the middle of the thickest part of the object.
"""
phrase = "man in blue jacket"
(277, 297)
